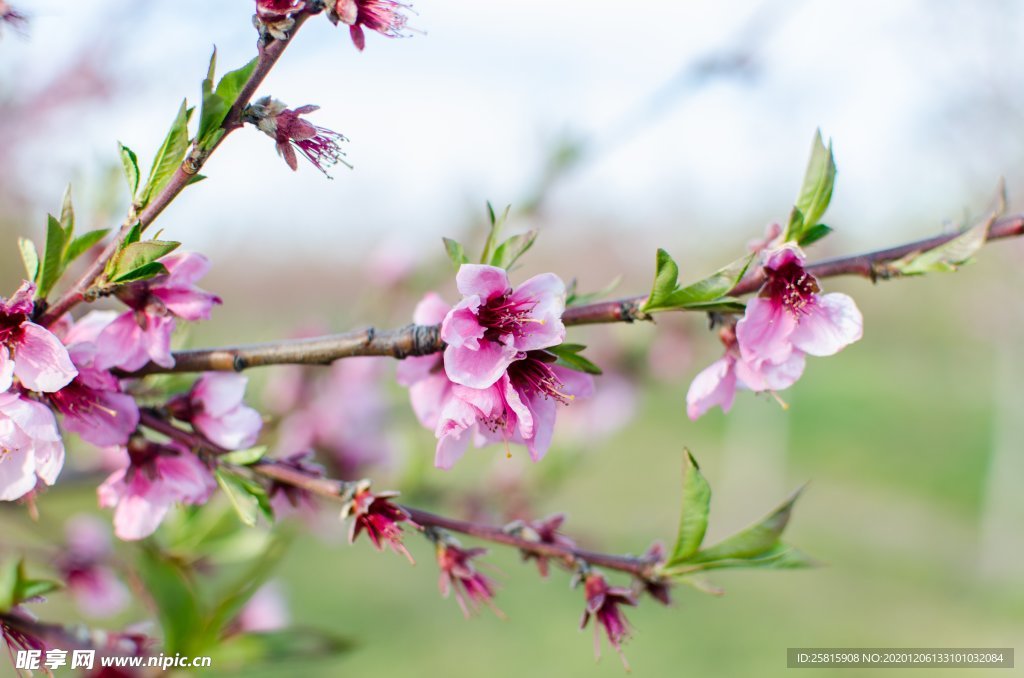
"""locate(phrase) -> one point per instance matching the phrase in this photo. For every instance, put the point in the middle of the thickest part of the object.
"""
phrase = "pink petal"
(714, 385)
(187, 304)
(49, 460)
(6, 369)
(156, 340)
(234, 430)
(110, 421)
(543, 411)
(482, 281)
(575, 383)
(219, 392)
(461, 327)
(417, 368)
(40, 361)
(87, 328)
(829, 326)
(786, 254)
(185, 268)
(778, 377)
(457, 417)
(547, 294)
(480, 368)
(450, 448)
(121, 344)
(763, 331)
(185, 478)
(520, 405)
(17, 474)
(428, 398)
(137, 516)
(431, 310)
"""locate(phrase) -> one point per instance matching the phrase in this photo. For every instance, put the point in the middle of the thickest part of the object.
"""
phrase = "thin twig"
(415, 340)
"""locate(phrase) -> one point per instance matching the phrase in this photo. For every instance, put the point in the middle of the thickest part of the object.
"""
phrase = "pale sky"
(923, 107)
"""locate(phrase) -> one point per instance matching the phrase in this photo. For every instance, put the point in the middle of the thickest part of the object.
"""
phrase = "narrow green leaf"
(134, 235)
(131, 168)
(230, 86)
(780, 556)
(170, 155)
(30, 588)
(696, 506)
(9, 578)
(127, 262)
(238, 593)
(569, 356)
(456, 252)
(813, 234)
(720, 305)
(244, 457)
(243, 503)
(497, 224)
(83, 243)
(53, 258)
(177, 602)
(753, 541)
(666, 281)
(574, 298)
(29, 257)
(509, 251)
(67, 215)
(816, 192)
(213, 109)
(713, 287)
(144, 272)
(946, 257)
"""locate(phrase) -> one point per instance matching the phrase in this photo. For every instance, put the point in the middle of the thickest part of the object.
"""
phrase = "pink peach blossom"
(29, 351)
(215, 407)
(31, 444)
(383, 16)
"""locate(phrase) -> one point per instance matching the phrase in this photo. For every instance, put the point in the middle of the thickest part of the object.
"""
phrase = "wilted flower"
(494, 324)
(457, 573)
(282, 124)
(144, 333)
(543, 531)
(31, 446)
(275, 16)
(603, 603)
(29, 351)
(383, 16)
(154, 478)
(657, 587)
(380, 518)
(83, 565)
(285, 497)
(215, 407)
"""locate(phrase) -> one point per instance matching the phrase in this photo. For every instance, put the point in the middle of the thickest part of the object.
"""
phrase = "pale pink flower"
(83, 565)
(789, 315)
(29, 351)
(30, 446)
(143, 334)
(494, 323)
(603, 603)
(215, 407)
(383, 16)
(154, 477)
(429, 386)
(520, 408)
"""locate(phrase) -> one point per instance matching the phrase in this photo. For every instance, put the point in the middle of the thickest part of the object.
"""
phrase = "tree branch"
(192, 163)
(415, 340)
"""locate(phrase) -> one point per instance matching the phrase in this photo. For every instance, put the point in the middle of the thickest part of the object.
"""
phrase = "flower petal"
(219, 392)
(482, 281)
(480, 368)
(40, 361)
(17, 474)
(714, 385)
(829, 325)
(763, 331)
(6, 369)
(431, 310)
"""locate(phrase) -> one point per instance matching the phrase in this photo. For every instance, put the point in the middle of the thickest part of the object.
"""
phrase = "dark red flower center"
(500, 316)
(791, 286)
(533, 374)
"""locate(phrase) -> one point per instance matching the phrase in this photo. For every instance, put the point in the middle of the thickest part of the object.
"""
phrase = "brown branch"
(335, 490)
(192, 163)
(414, 340)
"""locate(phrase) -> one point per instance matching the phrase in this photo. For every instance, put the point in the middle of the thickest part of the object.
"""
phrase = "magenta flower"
(29, 351)
(520, 408)
(93, 405)
(215, 407)
(383, 16)
(143, 334)
(154, 478)
(603, 603)
(320, 145)
(378, 517)
(472, 589)
(83, 565)
(789, 315)
(494, 324)
(31, 445)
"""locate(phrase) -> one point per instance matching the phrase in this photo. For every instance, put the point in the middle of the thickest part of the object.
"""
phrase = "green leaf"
(213, 108)
(244, 457)
(497, 223)
(217, 103)
(230, 86)
(509, 251)
(813, 234)
(753, 541)
(83, 243)
(946, 257)
(569, 356)
(780, 556)
(9, 577)
(177, 601)
(67, 215)
(574, 298)
(53, 258)
(30, 588)
(131, 168)
(135, 259)
(696, 505)
(816, 192)
(455, 252)
(134, 235)
(144, 272)
(720, 305)
(238, 593)
(170, 156)
(247, 497)
(666, 294)
(29, 257)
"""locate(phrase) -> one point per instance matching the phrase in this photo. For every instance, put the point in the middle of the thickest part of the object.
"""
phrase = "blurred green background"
(910, 440)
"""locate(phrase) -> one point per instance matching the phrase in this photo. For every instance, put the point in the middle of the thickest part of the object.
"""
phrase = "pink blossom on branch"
(319, 145)
(494, 323)
(154, 477)
(29, 351)
(383, 16)
(143, 334)
(31, 444)
(215, 407)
